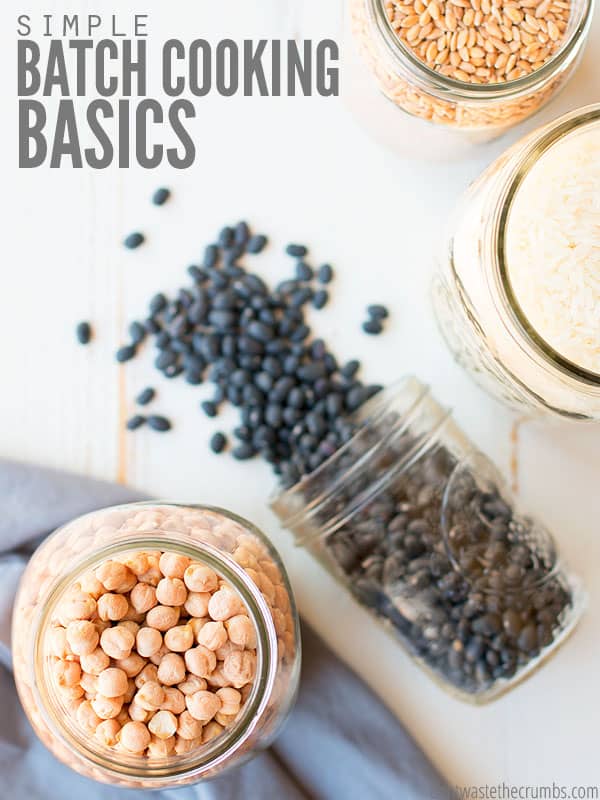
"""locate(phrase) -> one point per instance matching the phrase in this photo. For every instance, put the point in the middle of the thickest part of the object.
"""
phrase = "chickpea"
(150, 697)
(241, 631)
(117, 642)
(269, 569)
(59, 645)
(149, 673)
(107, 707)
(143, 597)
(173, 565)
(160, 748)
(112, 606)
(280, 621)
(70, 693)
(148, 641)
(185, 746)
(95, 661)
(225, 719)
(213, 635)
(132, 665)
(217, 677)
(188, 727)
(123, 715)
(163, 724)
(67, 673)
(171, 592)
(203, 705)
(231, 700)
(158, 657)
(240, 667)
(112, 682)
(200, 578)
(89, 584)
(135, 737)
(225, 604)
(131, 690)
(107, 732)
(115, 577)
(138, 563)
(192, 684)
(267, 589)
(134, 616)
(228, 647)
(180, 638)
(245, 558)
(76, 605)
(137, 713)
(196, 604)
(162, 617)
(82, 637)
(153, 574)
(200, 661)
(282, 600)
(196, 624)
(101, 625)
(171, 669)
(87, 717)
(89, 683)
(174, 700)
(211, 731)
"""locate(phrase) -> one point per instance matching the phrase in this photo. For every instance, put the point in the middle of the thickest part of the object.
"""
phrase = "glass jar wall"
(63, 575)
(422, 531)
(481, 317)
(439, 115)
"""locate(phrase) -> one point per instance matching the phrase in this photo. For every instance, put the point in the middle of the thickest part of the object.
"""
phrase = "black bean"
(325, 274)
(83, 332)
(256, 243)
(151, 326)
(296, 250)
(260, 331)
(373, 327)
(193, 376)
(211, 257)
(167, 358)
(243, 451)
(377, 311)
(209, 408)
(320, 299)
(304, 272)
(125, 353)
(225, 238)
(223, 320)
(300, 297)
(158, 423)
(163, 340)
(241, 233)
(158, 303)
(133, 240)
(146, 396)
(135, 422)
(161, 196)
(218, 442)
(137, 333)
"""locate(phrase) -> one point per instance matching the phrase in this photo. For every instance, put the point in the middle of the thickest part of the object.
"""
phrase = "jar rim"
(558, 130)
(222, 747)
(457, 91)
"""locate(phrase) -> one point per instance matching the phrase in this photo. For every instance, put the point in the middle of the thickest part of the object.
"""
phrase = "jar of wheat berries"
(469, 68)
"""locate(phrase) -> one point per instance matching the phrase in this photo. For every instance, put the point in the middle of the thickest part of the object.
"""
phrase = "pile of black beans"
(253, 343)
(476, 606)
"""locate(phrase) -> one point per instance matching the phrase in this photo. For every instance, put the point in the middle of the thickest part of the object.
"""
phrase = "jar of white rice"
(517, 294)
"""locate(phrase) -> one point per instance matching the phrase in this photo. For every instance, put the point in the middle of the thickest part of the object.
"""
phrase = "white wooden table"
(299, 169)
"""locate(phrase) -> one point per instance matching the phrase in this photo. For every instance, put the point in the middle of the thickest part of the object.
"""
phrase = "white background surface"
(299, 169)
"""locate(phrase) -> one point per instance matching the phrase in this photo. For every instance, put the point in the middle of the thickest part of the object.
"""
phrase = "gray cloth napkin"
(340, 742)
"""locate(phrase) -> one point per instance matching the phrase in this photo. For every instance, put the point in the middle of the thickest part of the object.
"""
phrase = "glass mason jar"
(240, 555)
(420, 528)
(477, 311)
(460, 113)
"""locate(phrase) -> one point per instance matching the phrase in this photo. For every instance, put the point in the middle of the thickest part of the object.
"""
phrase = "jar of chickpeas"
(469, 69)
(156, 645)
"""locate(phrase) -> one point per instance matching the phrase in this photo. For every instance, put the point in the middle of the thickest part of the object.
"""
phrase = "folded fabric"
(340, 742)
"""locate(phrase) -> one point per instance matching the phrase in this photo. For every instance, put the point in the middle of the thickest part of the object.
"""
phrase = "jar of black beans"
(421, 529)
